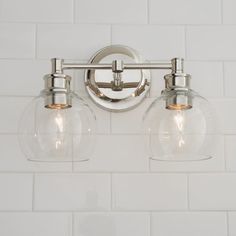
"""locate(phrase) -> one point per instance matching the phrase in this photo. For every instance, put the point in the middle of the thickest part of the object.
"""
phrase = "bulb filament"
(60, 128)
(179, 121)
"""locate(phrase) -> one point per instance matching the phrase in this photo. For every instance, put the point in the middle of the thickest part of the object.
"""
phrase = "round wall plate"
(129, 96)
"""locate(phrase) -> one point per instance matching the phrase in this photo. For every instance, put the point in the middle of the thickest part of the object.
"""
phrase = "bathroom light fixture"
(181, 124)
(58, 125)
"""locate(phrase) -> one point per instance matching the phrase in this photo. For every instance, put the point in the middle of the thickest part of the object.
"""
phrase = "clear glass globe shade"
(57, 134)
(181, 134)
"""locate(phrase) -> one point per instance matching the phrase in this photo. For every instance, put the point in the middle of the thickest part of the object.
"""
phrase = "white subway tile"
(229, 11)
(157, 82)
(117, 153)
(109, 11)
(212, 192)
(211, 42)
(35, 224)
(185, 12)
(71, 41)
(229, 78)
(72, 192)
(153, 42)
(11, 111)
(79, 85)
(37, 11)
(103, 117)
(230, 152)
(23, 77)
(17, 40)
(207, 78)
(12, 159)
(107, 224)
(226, 114)
(216, 163)
(149, 192)
(232, 223)
(16, 192)
(124, 122)
(185, 224)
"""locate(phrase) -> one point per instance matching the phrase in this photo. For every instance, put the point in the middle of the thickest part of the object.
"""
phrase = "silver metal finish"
(118, 89)
(173, 81)
(177, 78)
(57, 65)
(177, 85)
(117, 66)
(108, 66)
(179, 100)
(57, 87)
(117, 79)
(177, 65)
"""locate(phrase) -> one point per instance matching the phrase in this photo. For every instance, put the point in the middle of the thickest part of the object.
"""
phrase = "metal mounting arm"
(58, 66)
(117, 67)
(129, 78)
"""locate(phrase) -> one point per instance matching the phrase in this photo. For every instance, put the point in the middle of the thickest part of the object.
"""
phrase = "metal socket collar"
(57, 91)
(177, 87)
(177, 80)
(178, 100)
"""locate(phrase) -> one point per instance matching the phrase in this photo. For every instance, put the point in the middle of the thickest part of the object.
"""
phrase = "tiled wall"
(119, 192)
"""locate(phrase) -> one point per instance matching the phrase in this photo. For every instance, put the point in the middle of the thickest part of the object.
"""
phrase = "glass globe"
(181, 126)
(57, 132)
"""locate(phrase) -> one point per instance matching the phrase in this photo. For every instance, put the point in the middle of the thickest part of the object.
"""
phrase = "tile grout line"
(110, 127)
(73, 12)
(156, 172)
(227, 223)
(149, 165)
(223, 82)
(188, 199)
(150, 223)
(33, 193)
(111, 192)
(108, 133)
(185, 42)
(73, 224)
(116, 23)
(35, 42)
(224, 154)
(222, 11)
(148, 12)
(45, 59)
(73, 167)
(111, 34)
(119, 211)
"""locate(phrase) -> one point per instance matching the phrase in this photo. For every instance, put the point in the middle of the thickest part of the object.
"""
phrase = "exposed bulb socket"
(57, 91)
(179, 100)
(177, 85)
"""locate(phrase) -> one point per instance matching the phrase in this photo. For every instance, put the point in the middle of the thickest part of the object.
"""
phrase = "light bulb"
(179, 121)
(181, 134)
(60, 128)
(57, 125)
(56, 134)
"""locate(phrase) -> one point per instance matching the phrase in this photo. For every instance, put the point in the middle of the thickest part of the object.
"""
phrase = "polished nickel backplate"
(116, 78)
(117, 89)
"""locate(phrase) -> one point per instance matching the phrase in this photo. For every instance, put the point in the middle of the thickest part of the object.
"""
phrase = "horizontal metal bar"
(67, 66)
(124, 85)
(164, 66)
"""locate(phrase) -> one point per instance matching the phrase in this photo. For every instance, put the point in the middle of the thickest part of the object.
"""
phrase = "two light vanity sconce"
(58, 125)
